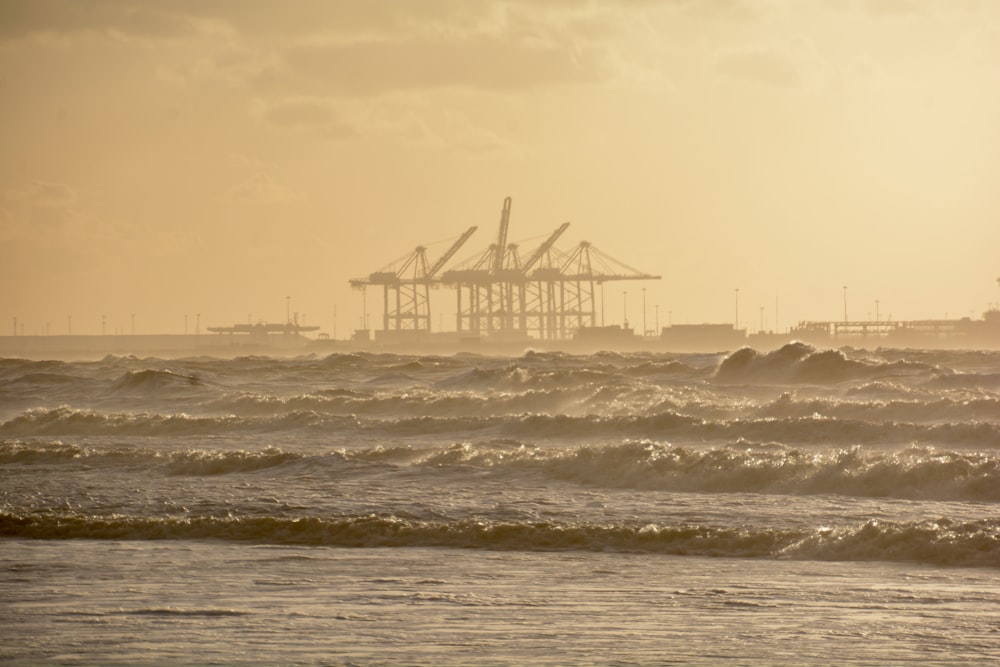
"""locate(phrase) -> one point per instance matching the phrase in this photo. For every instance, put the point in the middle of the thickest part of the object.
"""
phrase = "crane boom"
(544, 248)
(431, 272)
(501, 248)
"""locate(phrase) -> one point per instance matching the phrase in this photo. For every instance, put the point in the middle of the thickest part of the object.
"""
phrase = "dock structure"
(265, 334)
(547, 295)
(962, 332)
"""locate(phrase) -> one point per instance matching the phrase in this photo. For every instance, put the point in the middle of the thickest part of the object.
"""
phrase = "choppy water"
(780, 508)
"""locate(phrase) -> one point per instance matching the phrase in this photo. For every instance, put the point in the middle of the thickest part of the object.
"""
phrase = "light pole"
(644, 328)
(625, 309)
(845, 304)
(737, 324)
(602, 304)
(364, 309)
(876, 311)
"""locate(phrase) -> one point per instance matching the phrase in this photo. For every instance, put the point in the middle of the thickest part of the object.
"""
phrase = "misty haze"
(506, 332)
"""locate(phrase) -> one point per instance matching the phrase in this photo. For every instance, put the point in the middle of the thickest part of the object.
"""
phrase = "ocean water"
(798, 507)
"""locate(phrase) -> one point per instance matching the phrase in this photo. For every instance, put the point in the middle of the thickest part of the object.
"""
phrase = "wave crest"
(914, 473)
(801, 363)
(153, 381)
(942, 542)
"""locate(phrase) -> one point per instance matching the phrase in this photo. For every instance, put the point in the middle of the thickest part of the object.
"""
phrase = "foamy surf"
(913, 473)
(940, 542)
(392, 491)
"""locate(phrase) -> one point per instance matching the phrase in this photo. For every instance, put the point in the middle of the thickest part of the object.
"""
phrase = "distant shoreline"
(682, 339)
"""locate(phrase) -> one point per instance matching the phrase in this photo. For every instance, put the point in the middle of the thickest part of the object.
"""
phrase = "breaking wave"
(802, 363)
(941, 542)
(191, 462)
(906, 410)
(389, 450)
(153, 381)
(668, 425)
(914, 473)
(414, 402)
(68, 421)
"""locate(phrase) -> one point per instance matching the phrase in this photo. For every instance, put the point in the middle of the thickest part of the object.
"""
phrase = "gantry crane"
(498, 294)
(538, 304)
(488, 306)
(406, 289)
(580, 271)
(549, 295)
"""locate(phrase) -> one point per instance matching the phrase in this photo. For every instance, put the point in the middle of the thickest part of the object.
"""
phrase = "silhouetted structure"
(263, 333)
(964, 332)
(549, 295)
(406, 285)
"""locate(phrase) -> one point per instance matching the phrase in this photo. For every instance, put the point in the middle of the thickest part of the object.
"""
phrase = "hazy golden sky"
(164, 159)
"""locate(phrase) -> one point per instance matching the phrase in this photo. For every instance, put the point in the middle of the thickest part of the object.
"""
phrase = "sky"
(193, 163)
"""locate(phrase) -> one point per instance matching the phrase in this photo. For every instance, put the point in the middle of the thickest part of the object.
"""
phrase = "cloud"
(354, 47)
(261, 188)
(306, 114)
(50, 229)
(441, 121)
(715, 10)
(300, 112)
(764, 67)
(233, 64)
(489, 63)
(46, 194)
(894, 8)
(262, 18)
(66, 17)
(41, 204)
(247, 162)
(480, 142)
(53, 214)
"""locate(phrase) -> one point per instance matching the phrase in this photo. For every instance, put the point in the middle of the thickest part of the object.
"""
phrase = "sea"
(801, 506)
